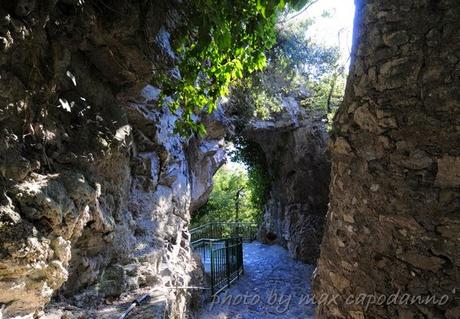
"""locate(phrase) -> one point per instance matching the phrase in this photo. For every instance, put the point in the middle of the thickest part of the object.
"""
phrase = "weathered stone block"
(448, 171)
(113, 281)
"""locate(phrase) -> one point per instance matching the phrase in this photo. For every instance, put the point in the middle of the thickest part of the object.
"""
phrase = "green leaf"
(201, 129)
(281, 5)
(261, 61)
(226, 39)
(261, 8)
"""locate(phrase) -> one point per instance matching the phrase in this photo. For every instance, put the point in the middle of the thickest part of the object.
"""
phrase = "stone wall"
(294, 145)
(95, 189)
(393, 224)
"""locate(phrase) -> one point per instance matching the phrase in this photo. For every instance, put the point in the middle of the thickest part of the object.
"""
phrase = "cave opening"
(281, 130)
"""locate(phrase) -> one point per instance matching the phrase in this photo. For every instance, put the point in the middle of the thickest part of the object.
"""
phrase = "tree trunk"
(393, 225)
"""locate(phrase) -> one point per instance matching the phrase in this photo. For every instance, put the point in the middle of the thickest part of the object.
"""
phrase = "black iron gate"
(221, 253)
(222, 260)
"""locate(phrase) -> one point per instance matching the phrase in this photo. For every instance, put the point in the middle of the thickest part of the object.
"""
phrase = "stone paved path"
(274, 286)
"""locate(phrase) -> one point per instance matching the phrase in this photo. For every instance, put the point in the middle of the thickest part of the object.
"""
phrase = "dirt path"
(274, 286)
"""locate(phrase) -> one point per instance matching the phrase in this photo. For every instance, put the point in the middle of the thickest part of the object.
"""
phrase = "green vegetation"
(221, 206)
(259, 180)
(295, 68)
(251, 180)
(224, 40)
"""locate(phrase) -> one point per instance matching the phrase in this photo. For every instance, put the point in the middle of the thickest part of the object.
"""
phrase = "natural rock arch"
(294, 146)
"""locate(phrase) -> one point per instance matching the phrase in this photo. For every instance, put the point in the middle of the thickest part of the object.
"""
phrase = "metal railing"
(222, 260)
(221, 230)
(220, 245)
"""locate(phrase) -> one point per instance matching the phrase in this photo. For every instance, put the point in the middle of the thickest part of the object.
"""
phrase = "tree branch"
(305, 8)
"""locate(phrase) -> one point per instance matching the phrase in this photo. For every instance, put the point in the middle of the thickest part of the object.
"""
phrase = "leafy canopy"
(224, 41)
(296, 68)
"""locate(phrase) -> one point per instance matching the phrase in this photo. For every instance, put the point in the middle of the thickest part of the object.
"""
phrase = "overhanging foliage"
(224, 40)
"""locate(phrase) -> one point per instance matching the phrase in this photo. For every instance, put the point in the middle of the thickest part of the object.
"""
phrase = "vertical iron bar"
(212, 269)
(227, 252)
(241, 256)
(238, 261)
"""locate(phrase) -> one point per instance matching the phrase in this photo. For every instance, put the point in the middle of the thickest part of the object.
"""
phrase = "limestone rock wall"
(393, 224)
(95, 189)
(294, 144)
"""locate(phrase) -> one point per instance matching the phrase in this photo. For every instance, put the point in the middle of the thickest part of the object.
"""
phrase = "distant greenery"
(252, 178)
(223, 40)
(296, 68)
(222, 201)
(259, 180)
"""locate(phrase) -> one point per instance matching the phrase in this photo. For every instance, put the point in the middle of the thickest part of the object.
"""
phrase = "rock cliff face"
(95, 189)
(393, 224)
(294, 145)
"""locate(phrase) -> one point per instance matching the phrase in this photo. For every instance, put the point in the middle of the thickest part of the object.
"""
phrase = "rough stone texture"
(95, 189)
(393, 223)
(207, 156)
(199, 278)
(294, 144)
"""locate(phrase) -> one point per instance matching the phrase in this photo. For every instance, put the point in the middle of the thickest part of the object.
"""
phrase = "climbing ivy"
(259, 179)
(224, 40)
